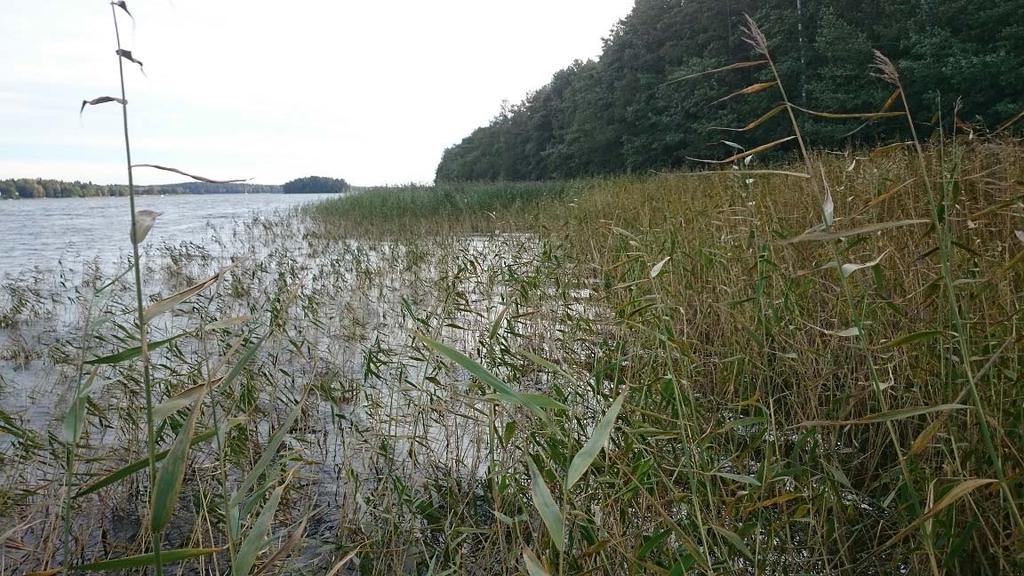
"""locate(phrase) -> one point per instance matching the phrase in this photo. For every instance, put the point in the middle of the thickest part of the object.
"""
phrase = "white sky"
(371, 91)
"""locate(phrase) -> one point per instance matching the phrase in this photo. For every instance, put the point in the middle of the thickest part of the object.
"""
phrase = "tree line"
(46, 188)
(624, 113)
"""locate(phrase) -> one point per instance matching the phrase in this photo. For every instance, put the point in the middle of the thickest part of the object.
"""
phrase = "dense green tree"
(40, 188)
(316, 185)
(8, 190)
(622, 112)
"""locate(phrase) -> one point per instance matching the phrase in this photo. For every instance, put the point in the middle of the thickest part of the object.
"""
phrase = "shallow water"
(48, 233)
(379, 406)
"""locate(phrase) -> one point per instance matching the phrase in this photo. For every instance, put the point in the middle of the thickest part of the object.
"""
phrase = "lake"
(45, 233)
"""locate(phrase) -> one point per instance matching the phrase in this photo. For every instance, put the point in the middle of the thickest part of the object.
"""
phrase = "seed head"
(144, 220)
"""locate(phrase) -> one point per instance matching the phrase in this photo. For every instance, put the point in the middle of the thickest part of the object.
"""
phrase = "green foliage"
(619, 114)
(316, 185)
(483, 207)
(43, 188)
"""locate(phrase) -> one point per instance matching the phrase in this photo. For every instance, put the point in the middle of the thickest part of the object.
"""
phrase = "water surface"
(48, 233)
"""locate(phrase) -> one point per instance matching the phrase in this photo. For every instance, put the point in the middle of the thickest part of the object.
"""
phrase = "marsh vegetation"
(779, 412)
(811, 367)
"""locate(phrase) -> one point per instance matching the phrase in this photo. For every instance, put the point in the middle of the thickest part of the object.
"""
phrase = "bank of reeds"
(820, 362)
(777, 421)
(803, 369)
(451, 207)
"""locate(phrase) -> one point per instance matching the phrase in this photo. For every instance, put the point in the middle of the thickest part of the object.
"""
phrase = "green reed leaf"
(822, 236)
(735, 541)
(139, 465)
(74, 419)
(549, 511)
(166, 304)
(177, 402)
(886, 416)
(144, 560)
(133, 352)
(275, 441)
(172, 472)
(532, 401)
(533, 564)
(959, 491)
(257, 538)
(598, 439)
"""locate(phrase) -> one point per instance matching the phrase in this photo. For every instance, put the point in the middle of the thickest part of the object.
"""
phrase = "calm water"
(40, 234)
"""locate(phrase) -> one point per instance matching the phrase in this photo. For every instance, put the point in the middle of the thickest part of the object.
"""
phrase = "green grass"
(473, 208)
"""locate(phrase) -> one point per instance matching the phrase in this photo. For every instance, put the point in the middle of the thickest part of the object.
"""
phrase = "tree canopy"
(46, 188)
(316, 185)
(623, 113)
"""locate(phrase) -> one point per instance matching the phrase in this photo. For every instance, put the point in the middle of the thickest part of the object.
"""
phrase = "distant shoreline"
(137, 193)
(36, 188)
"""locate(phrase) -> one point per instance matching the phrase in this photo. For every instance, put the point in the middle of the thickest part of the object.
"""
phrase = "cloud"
(370, 91)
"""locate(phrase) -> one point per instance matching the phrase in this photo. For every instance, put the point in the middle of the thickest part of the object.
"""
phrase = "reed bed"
(806, 368)
(417, 383)
(775, 421)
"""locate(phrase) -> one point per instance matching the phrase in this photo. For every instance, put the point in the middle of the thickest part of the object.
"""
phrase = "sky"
(366, 90)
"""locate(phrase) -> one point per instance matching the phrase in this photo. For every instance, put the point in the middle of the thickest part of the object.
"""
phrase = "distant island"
(16, 188)
(317, 185)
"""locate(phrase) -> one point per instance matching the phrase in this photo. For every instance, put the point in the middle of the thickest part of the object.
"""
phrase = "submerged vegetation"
(806, 368)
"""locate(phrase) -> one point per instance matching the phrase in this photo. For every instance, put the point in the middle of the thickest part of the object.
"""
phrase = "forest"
(45, 188)
(14, 188)
(634, 109)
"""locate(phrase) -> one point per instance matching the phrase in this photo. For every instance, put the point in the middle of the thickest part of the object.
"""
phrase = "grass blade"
(657, 267)
(258, 535)
(172, 472)
(585, 457)
(849, 116)
(177, 402)
(534, 402)
(138, 465)
(144, 560)
(268, 453)
(848, 269)
(735, 66)
(959, 491)
(74, 420)
(735, 540)
(821, 236)
(285, 548)
(751, 152)
(766, 117)
(752, 89)
(888, 416)
(533, 564)
(158, 308)
(546, 506)
(133, 352)
(916, 337)
(100, 100)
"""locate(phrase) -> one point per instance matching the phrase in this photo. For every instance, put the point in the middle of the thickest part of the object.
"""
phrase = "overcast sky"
(370, 91)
